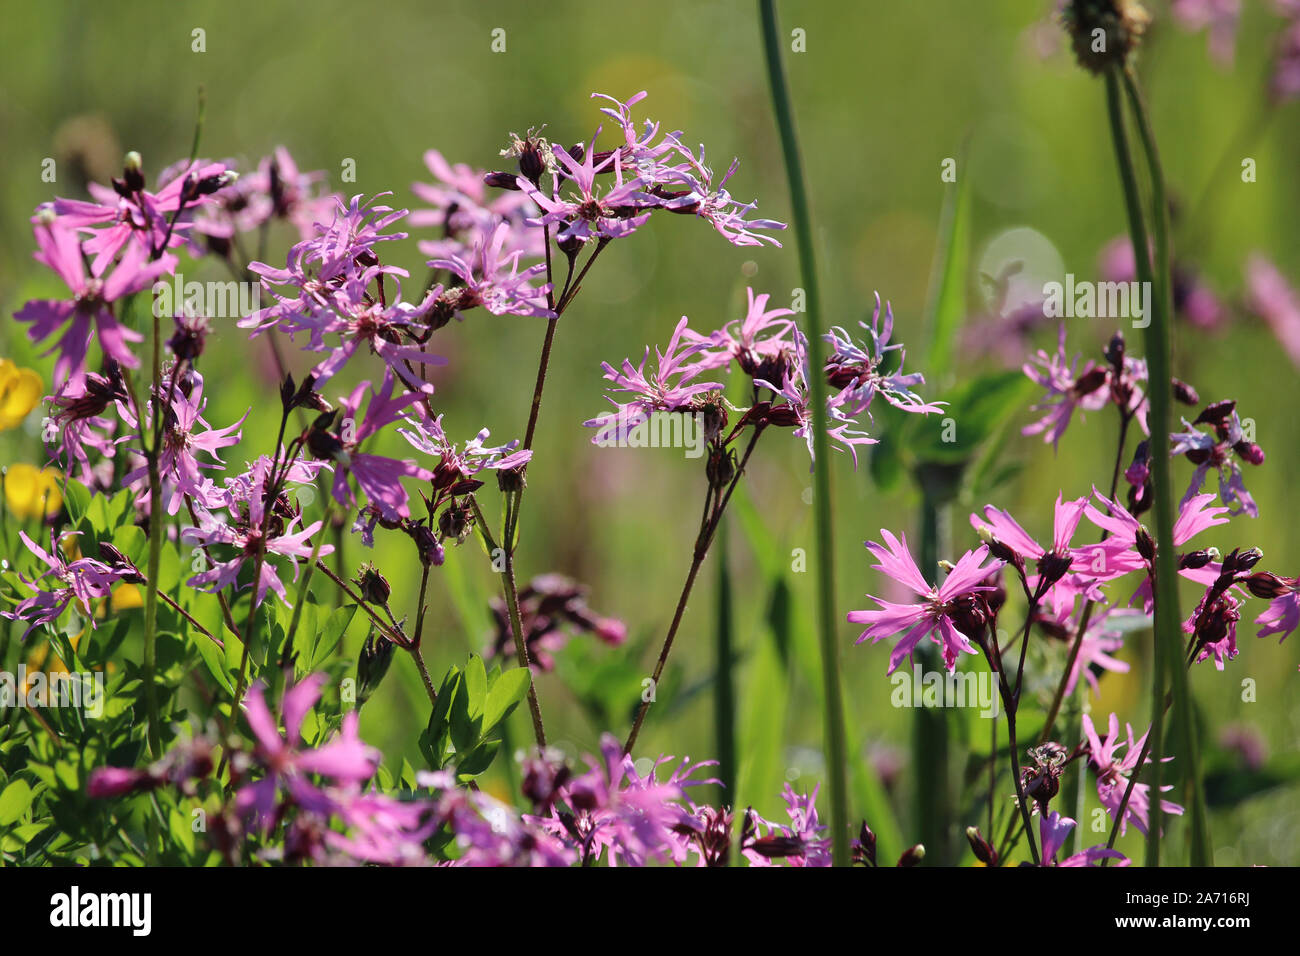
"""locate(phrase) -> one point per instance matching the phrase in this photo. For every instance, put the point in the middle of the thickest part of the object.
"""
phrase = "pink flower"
(492, 278)
(1272, 298)
(934, 617)
(178, 464)
(1104, 636)
(122, 214)
(589, 213)
(717, 206)
(1054, 830)
(1282, 616)
(857, 371)
(1067, 389)
(800, 844)
(247, 537)
(1088, 564)
(1219, 16)
(761, 342)
(378, 476)
(1221, 450)
(613, 810)
(1113, 773)
(668, 387)
(89, 312)
(83, 580)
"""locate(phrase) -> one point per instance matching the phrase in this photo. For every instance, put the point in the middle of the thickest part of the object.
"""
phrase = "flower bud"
(1194, 560)
(1091, 381)
(720, 467)
(501, 180)
(912, 856)
(454, 522)
(1216, 413)
(1184, 392)
(864, 847)
(372, 664)
(531, 163)
(981, 847)
(133, 172)
(1250, 452)
(1238, 560)
(510, 480)
(373, 586)
(1115, 351)
(1265, 584)
(427, 544)
(1145, 546)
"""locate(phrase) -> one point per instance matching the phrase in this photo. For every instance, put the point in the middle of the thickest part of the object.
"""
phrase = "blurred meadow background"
(884, 93)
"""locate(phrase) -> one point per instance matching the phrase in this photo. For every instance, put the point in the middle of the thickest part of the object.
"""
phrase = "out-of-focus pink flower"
(1270, 296)
(1066, 389)
(1218, 16)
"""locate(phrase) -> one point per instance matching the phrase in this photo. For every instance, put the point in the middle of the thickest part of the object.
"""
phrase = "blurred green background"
(884, 93)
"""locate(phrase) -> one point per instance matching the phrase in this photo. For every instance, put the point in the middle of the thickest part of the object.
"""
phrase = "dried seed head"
(1104, 33)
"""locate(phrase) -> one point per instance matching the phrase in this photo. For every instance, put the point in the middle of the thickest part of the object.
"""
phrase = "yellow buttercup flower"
(20, 392)
(31, 492)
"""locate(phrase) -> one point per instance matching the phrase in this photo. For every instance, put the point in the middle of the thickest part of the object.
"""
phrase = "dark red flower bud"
(1197, 559)
(1265, 584)
(864, 847)
(373, 586)
(1091, 381)
(912, 856)
(1249, 452)
(981, 847)
(1216, 413)
(1184, 392)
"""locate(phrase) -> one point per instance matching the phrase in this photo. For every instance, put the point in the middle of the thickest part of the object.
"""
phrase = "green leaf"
(506, 694)
(76, 498)
(475, 685)
(947, 300)
(976, 410)
(330, 635)
(14, 802)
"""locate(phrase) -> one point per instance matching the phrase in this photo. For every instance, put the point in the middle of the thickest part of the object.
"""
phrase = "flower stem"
(724, 697)
(715, 504)
(1086, 617)
(826, 614)
(511, 591)
(152, 449)
(1168, 638)
(931, 741)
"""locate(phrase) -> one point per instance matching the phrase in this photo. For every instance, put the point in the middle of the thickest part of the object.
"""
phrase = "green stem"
(826, 620)
(153, 731)
(930, 742)
(1167, 637)
(1159, 358)
(724, 697)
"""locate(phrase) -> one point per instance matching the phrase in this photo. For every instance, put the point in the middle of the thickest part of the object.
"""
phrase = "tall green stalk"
(930, 740)
(156, 516)
(724, 693)
(1167, 657)
(826, 619)
(1160, 372)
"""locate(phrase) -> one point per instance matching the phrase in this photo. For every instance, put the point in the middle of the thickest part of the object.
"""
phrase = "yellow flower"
(20, 392)
(33, 493)
(127, 595)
